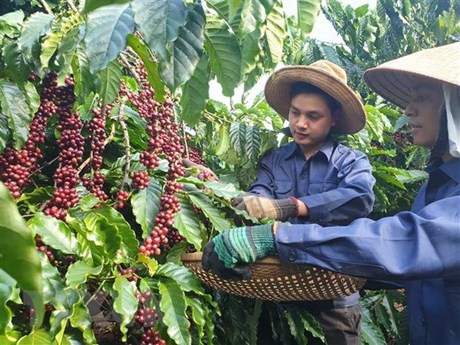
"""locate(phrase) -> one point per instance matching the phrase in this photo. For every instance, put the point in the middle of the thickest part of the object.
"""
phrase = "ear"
(334, 116)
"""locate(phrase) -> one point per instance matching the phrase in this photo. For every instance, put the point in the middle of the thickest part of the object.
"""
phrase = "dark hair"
(442, 142)
(302, 87)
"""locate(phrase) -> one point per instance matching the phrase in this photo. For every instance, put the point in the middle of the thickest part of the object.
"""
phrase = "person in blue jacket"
(420, 247)
(315, 179)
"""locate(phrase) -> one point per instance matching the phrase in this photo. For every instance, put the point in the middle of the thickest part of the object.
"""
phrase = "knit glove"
(238, 245)
(262, 207)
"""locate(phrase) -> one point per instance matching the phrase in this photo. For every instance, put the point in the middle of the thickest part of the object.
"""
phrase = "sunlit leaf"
(125, 303)
(307, 12)
(172, 304)
(224, 53)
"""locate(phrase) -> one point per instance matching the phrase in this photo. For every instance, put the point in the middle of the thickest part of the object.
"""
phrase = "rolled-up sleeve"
(409, 245)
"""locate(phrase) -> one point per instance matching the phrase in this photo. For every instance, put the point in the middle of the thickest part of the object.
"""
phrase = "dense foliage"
(99, 103)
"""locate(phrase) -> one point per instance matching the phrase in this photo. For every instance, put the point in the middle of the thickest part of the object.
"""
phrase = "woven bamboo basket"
(273, 281)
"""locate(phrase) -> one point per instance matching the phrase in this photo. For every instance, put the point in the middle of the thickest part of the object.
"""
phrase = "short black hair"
(302, 87)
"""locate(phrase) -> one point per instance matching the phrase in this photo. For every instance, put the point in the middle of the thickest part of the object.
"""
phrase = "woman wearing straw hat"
(314, 178)
(419, 247)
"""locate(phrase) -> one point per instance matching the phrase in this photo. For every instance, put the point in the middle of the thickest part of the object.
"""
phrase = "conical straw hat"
(393, 80)
(327, 76)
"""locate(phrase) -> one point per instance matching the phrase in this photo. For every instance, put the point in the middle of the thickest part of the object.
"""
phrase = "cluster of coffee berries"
(165, 142)
(129, 273)
(402, 138)
(16, 167)
(94, 181)
(41, 247)
(152, 337)
(195, 156)
(70, 144)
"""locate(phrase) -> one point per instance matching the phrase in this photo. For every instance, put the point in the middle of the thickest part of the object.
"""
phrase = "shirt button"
(292, 256)
(341, 149)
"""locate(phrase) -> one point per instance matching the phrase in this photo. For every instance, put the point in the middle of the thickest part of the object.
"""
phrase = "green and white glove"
(238, 245)
(262, 207)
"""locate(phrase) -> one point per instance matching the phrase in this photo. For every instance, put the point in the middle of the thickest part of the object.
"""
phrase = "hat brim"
(351, 114)
(394, 79)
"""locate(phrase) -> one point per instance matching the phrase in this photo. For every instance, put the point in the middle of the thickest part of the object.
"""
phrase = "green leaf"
(15, 67)
(54, 233)
(223, 190)
(195, 93)
(275, 33)
(60, 30)
(186, 222)
(159, 22)
(307, 12)
(91, 5)
(224, 140)
(224, 53)
(33, 28)
(14, 106)
(79, 272)
(36, 337)
(198, 314)
(172, 304)
(146, 204)
(7, 285)
(238, 136)
(151, 66)
(4, 131)
(182, 276)
(115, 225)
(18, 255)
(81, 319)
(253, 14)
(125, 304)
(53, 286)
(150, 263)
(252, 143)
(84, 81)
(186, 50)
(250, 51)
(110, 78)
(210, 211)
(106, 34)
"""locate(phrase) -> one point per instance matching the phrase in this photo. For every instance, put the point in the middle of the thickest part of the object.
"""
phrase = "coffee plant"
(100, 102)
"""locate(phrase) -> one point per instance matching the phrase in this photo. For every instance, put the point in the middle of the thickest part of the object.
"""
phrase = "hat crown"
(331, 69)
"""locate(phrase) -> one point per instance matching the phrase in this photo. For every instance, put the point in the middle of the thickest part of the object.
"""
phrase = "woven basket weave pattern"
(272, 281)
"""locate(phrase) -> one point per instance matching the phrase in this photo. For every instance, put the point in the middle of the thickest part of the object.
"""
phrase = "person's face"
(424, 110)
(310, 120)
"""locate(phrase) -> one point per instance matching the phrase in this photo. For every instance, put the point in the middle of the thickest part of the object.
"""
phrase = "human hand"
(204, 174)
(238, 245)
(262, 207)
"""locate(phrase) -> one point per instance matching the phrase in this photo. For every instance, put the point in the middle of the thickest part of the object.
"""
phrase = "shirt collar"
(452, 169)
(325, 150)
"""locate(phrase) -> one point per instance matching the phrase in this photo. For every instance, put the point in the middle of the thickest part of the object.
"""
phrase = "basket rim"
(196, 256)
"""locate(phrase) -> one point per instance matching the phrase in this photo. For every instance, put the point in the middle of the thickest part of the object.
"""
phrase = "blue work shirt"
(421, 248)
(335, 183)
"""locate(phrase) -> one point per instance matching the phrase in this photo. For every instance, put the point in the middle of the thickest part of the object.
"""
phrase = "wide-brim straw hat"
(394, 79)
(327, 76)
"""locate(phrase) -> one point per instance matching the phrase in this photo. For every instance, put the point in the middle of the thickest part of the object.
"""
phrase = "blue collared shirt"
(335, 183)
(421, 247)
